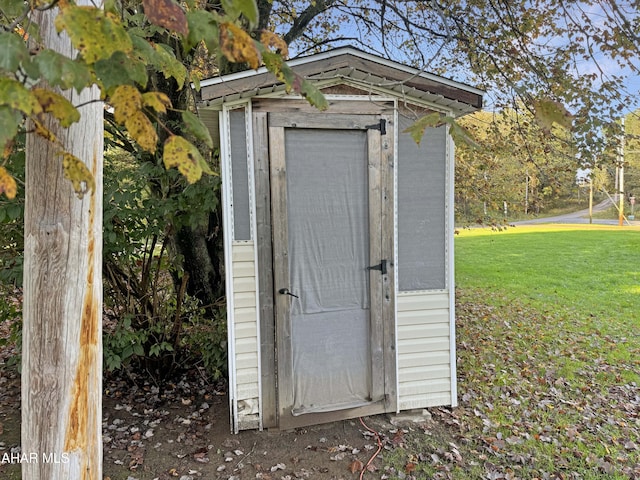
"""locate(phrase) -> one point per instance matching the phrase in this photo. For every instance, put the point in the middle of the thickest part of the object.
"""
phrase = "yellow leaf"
(548, 112)
(182, 154)
(238, 46)
(8, 184)
(126, 101)
(156, 100)
(270, 39)
(8, 148)
(95, 33)
(57, 105)
(78, 174)
(44, 132)
(142, 131)
(127, 104)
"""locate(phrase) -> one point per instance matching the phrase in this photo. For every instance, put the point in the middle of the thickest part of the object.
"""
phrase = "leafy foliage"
(11, 223)
(119, 50)
(152, 323)
(434, 120)
(518, 162)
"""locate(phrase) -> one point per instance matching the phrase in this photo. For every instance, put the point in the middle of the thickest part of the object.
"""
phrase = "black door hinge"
(382, 266)
(382, 126)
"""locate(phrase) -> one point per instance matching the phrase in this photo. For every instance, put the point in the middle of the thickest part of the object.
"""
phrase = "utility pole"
(621, 177)
(590, 197)
(526, 193)
(62, 322)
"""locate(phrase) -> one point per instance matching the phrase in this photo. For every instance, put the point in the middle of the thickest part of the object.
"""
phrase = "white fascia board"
(450, 188)
(396, 147)
(227, 219)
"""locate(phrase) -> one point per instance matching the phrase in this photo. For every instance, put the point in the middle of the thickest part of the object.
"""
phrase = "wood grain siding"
(424, 368)
(245, 327)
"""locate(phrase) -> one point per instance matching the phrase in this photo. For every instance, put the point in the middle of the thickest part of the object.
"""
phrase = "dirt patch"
(182, 432)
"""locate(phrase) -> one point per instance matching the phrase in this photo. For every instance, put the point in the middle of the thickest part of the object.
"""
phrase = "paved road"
(581, 216)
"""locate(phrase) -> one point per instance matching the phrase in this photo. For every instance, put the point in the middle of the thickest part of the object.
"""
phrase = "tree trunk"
(201, 250)
(199, 247)
(62, 329)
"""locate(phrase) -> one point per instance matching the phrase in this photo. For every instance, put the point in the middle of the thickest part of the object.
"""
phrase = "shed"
(338, 238)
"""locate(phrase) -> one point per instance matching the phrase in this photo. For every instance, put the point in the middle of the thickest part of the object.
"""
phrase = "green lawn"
(595, 272)
(548, 335)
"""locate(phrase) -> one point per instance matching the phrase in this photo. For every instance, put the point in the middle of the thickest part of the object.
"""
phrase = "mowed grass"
(548, 344)
(595, 271)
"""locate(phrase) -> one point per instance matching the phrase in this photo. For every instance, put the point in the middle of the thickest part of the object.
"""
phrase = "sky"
(596, 13)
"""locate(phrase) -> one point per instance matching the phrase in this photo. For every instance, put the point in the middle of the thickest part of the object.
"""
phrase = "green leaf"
(459, 133)
(197, 128)
(15, 95)
(14, 211)
(96, 34)
(142, 49)
(166, 62)
(276, 65)
(14, 52)
(180, 153)
(9, 122)
(248, 8)
(314, 96)
(57, 105)
(60, 71)
(203, 26)
(13, 8)
(195, 81)
(32, 69)
(418, 128)
(121, 69)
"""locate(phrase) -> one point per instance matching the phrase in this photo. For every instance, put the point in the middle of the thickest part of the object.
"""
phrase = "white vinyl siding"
(424, 350)
(245, 335)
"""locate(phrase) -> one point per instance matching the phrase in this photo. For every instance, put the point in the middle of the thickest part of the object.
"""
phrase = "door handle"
(382, 266)
(285, 291)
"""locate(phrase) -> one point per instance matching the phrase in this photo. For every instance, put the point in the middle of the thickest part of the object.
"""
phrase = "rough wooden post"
(62, 334)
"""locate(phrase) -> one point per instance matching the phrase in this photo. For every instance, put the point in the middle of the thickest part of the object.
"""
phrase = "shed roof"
(349, 65)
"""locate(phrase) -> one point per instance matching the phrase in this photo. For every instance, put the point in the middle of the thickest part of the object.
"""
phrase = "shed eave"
(399, 91)
(335, 63)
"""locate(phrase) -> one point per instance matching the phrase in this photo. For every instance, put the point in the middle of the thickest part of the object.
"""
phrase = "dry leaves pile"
(547, 395)
(542, 396)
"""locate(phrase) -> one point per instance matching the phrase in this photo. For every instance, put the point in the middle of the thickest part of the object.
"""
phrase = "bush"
(154, 325)
(150, 323)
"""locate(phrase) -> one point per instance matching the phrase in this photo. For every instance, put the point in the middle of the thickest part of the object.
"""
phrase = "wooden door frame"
(270, 176)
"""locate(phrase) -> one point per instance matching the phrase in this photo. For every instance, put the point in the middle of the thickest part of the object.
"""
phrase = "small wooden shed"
(338, 232)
